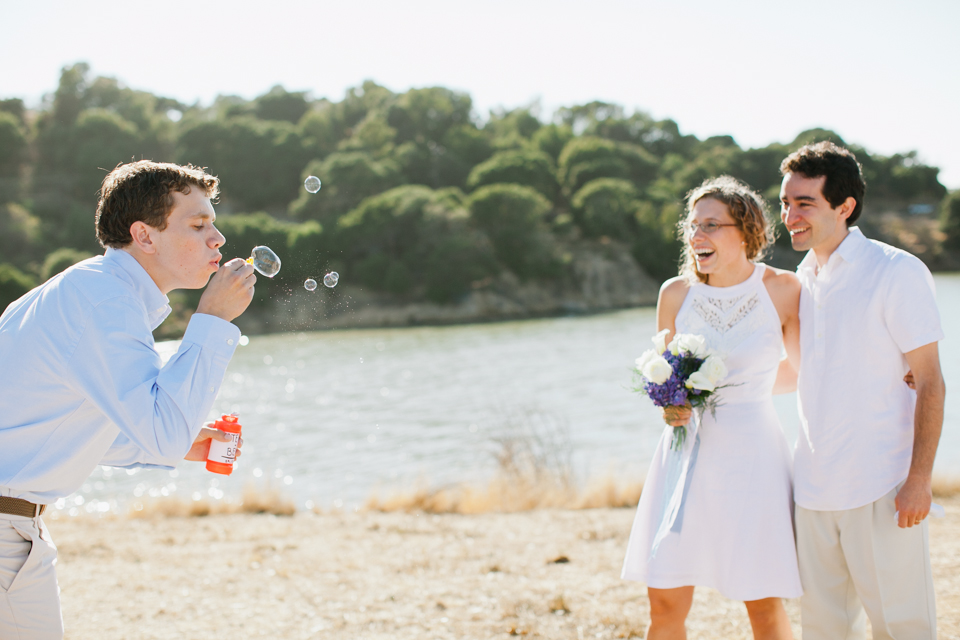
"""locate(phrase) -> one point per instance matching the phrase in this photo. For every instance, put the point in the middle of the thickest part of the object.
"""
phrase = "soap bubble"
(331, 279)
(309, 284)
(265, 261)
(312, 184)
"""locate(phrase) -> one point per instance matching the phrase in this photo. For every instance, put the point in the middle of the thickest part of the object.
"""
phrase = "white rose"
(645, 357)
(674, 346)
(693, 344)
(660, 341)
(657, 370)
(714, 368)
(700, 380)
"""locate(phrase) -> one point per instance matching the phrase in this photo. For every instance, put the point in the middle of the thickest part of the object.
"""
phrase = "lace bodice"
(742, 325)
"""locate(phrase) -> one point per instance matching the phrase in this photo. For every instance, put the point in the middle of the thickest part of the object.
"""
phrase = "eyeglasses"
(708, 227)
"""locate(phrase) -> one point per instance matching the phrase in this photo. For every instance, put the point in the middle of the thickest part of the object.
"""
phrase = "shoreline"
(548, 573)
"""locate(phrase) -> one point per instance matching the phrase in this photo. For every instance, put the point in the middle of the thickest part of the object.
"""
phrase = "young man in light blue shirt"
(81, 381)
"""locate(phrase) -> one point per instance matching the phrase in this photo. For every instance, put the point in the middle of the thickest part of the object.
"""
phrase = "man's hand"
(910, 381)
(913, 501)
(230, 290)
(914, 498)
(677, 416)
(201, 446)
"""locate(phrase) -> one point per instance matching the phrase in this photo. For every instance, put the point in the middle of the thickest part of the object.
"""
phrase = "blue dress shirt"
(81, 383)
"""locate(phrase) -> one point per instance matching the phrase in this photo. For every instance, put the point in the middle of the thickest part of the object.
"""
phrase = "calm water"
(330, 417)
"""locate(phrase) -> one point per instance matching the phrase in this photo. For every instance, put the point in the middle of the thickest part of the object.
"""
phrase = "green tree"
(258, 161)
(423, 118)
(711, 160)
(427, 114)
(16, 108)
(13, 150)
(101, 140)
(13, 284)
(60, 260)
(20, 234)
(411, 239)
(513, 217)
(950, 221)
(528, 167)
(581, 118)
(512, 129)
(588, 158)
(280, 104)
(656, 247)
(607, 207)
(349, 178)
(551, 139)
(321, 130)
(372, 134)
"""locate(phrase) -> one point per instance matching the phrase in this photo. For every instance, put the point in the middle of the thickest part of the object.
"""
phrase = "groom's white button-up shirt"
(869, 304)
(81, 383)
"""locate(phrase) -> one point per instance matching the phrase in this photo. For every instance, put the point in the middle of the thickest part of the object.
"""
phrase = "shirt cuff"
(922, 341)
(213, 333)
(140, 465)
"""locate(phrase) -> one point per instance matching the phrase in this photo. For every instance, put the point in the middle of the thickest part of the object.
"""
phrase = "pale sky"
(882, 74)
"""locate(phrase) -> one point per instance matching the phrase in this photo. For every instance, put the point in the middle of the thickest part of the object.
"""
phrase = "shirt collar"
(155, 302)
(852, 246)
(849, 249)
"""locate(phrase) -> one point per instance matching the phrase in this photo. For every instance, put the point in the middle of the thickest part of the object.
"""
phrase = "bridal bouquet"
(683, 372)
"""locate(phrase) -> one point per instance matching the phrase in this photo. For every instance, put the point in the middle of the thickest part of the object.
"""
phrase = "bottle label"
(224, 452)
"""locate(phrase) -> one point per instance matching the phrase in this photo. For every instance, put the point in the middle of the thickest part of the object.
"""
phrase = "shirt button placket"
(819, 324)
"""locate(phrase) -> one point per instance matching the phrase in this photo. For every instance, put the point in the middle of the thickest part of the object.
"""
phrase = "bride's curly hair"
(747, 208)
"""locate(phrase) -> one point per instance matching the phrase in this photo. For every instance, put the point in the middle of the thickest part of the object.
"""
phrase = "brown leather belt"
(18, 507)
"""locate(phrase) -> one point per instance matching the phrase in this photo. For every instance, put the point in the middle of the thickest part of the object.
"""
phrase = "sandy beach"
(548, 573)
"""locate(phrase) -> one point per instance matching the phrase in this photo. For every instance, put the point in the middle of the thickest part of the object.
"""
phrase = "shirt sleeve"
(125, 454)
(910, 307)
(159, 410)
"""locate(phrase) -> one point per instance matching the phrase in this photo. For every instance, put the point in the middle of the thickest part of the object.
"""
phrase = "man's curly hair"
(143, 191)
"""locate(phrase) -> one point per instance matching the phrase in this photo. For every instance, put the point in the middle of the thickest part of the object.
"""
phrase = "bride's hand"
(677, 416)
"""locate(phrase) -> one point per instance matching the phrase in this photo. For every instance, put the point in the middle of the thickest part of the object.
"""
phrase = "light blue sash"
(678, 466)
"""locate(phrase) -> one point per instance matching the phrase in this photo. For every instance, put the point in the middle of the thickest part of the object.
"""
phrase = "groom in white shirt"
(867, 442)
(81, 383)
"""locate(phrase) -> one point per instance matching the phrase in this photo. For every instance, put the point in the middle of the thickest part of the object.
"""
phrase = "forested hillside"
(423, 198)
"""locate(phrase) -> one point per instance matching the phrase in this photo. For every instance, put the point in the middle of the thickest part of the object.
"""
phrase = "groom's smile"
(809, 218)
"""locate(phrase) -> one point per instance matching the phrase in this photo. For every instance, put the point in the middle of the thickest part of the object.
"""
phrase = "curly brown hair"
(749, 212)
(143, 191)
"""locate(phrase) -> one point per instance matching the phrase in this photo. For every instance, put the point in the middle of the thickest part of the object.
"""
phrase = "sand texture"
(541, 574)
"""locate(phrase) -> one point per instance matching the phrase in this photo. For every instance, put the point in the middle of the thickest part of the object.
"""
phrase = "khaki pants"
(861, 556)
(29, 595)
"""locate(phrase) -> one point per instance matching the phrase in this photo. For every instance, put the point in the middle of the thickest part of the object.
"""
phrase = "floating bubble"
(312, 184)
(331, 279)
(265, 261)
(309, 284)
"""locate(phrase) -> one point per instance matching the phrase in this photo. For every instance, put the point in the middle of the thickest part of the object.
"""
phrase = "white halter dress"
(734, 530)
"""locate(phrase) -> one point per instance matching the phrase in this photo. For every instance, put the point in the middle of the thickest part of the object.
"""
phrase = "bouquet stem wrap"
(679, 461)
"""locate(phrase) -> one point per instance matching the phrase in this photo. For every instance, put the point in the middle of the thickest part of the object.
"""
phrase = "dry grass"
(255, 499)
(510, 494)
(946, 486)
(534, 471)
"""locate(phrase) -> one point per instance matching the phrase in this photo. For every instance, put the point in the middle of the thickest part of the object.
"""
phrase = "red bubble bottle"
(223, 454)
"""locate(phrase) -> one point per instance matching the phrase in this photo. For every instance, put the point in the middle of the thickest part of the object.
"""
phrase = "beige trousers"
(29, 595)
(861, 556)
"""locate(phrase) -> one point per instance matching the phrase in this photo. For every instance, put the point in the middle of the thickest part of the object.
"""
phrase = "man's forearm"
(928, 423)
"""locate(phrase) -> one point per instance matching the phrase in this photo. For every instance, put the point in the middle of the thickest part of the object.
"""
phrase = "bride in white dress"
(734, 528)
